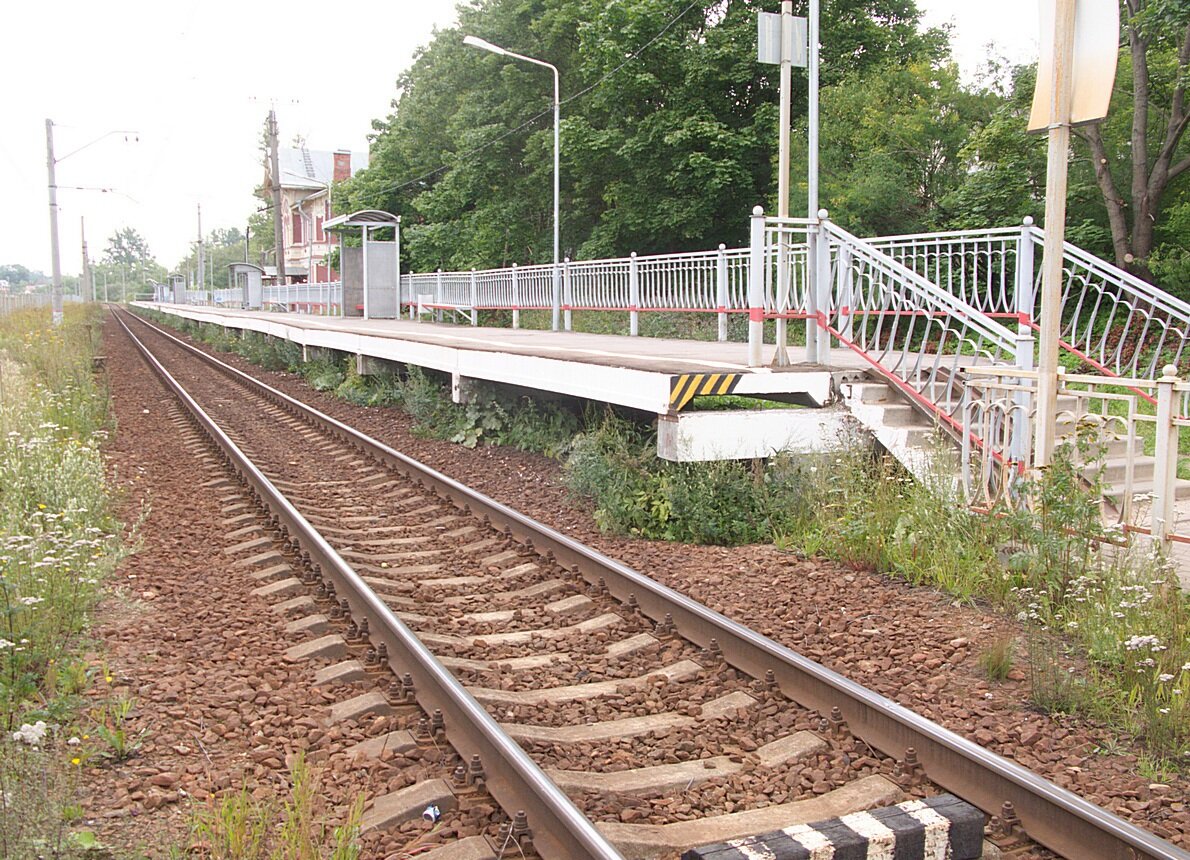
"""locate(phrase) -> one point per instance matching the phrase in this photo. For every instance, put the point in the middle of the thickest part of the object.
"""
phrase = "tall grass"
(58, 541)
(239, 826)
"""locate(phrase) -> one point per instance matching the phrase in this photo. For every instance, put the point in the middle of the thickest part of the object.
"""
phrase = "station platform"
(660, 376)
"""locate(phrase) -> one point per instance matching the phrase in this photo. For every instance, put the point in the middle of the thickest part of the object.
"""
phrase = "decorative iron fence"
(1125, 435)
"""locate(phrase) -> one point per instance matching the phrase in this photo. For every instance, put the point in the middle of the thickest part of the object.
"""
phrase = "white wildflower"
(31, 734)
(1164, 677)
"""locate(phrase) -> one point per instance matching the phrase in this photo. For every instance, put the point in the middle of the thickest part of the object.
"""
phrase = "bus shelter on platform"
(249, 279)
(372, 272)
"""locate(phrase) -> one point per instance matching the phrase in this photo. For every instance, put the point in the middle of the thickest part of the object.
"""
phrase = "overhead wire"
(459, 158)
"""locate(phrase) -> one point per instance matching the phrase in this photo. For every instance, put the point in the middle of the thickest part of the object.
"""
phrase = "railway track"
(609, 715)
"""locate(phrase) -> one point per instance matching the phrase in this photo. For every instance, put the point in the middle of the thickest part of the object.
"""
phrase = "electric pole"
(86, 287)
(201, 282)
(278, 232)
(56, 290)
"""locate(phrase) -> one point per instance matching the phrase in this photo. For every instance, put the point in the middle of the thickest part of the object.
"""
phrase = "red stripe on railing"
(910, 391)
(1100, 367)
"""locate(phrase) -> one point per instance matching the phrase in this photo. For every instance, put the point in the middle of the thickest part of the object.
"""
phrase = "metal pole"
(756, 264)
(633, 295)
(86, 287)
(812, 150)
(1055, 231)
(781, 356)
(202, 280)
(364, 229)
(557, 150)
(278, 230)
(56, 291)
(397, 250)
(819, 245)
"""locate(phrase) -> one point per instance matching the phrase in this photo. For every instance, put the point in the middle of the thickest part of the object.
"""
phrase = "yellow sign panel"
(1096, 48)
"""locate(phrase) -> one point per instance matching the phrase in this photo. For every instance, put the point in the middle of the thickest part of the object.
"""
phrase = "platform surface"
(661, 355)
(641, 372)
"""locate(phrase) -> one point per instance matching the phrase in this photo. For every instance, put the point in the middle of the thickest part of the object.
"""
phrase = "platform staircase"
(917, 441)
(943, 319)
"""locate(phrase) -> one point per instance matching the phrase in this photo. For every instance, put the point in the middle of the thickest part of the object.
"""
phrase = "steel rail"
(1050, 815)
(559, 828)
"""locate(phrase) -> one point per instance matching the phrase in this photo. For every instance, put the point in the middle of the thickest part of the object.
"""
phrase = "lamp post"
(476, 42)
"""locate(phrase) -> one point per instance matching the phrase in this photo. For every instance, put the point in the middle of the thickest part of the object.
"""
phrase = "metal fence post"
(556, 297)
(474, 299)
(438, 296)
(1025, 274)
(814, 237)
(756, 266)
(568, 295)
(844, 293)
(822, 261)
(516, 298)
(1166, 465)
(1021, 442)
(633, 295)
(721, 289)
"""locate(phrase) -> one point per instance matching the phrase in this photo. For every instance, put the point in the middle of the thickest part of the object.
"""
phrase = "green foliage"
(725, 502)
(489, 417)
(902, 163)
(668, 153)
(111, 726)
(996, 661)
(58, 541)
(238, 826)
(234, 827)
(324, 374)
(36, 796)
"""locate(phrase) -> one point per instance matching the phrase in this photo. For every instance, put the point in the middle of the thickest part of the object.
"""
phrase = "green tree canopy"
(126, 247)
(668, 130)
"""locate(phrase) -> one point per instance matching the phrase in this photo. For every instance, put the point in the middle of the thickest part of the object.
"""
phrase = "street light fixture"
(482, 44)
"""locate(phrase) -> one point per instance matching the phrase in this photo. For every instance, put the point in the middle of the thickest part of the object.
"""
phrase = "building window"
(319, 236)
(297, 228)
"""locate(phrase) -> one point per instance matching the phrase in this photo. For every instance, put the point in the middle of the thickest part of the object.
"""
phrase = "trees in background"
(670, 126)
(668, 130)
(1139, 152)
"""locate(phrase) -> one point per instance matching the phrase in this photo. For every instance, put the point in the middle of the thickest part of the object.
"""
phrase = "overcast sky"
(192, 82)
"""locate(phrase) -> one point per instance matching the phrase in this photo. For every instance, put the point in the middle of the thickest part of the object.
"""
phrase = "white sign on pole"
(1096, 48)
(769, 42)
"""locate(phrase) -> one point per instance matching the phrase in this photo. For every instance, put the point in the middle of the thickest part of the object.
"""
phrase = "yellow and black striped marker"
(684, 388)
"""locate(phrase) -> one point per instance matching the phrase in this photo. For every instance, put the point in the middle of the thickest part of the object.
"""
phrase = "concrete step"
(1113, 471)
(1181, 490)
(901, 415)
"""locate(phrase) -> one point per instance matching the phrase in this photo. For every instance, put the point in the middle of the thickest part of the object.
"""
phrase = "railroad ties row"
(660, 742)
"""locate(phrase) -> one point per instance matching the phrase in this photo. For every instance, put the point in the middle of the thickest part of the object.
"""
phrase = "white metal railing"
(913, 332)
(1112, 424)
(319, 298)
(324, 299)
(1115, 322)
(700, 281)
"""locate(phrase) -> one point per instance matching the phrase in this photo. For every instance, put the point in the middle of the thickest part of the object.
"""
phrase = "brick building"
(306, 204)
